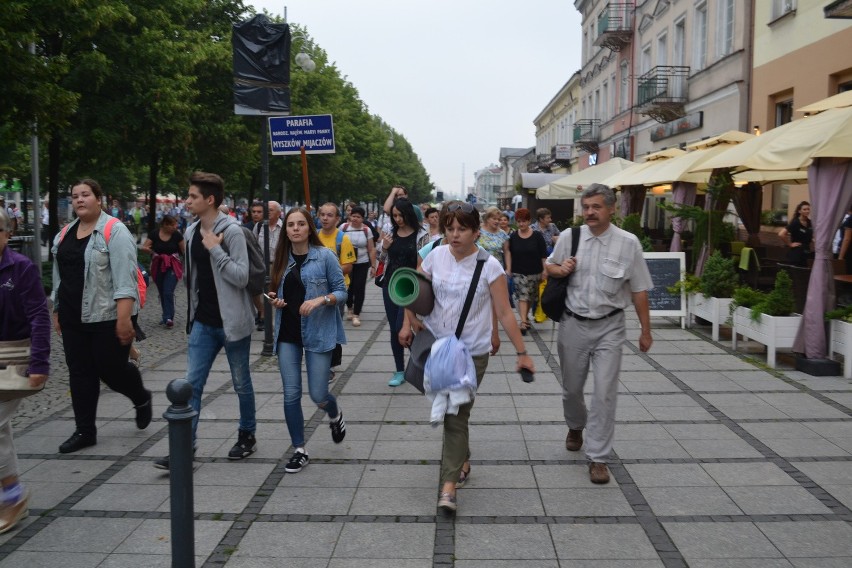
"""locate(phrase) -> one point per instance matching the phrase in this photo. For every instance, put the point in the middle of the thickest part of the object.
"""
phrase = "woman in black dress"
(798, 235)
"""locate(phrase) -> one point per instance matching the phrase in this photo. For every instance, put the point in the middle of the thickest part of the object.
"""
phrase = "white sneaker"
(349, 314)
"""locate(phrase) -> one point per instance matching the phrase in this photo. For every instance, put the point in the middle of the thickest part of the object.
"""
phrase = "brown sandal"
(463, 476)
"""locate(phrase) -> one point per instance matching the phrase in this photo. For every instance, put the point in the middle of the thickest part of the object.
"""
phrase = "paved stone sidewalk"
(721, 463)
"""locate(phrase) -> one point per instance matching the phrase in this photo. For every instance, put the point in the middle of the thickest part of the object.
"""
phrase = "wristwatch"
(326, 300)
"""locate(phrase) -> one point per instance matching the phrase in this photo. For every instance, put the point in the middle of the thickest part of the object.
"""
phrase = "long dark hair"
(282, 252)
(406, 209)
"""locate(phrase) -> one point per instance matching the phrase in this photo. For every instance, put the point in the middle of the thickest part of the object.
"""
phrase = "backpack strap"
(481, 257)
(575, 240)
(339, 242)
(108, 229)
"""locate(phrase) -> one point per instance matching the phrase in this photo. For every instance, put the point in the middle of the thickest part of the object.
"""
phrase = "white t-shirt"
(359, 240)
(450, 282)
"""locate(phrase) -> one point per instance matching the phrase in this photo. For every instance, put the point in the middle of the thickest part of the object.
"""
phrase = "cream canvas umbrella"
(570, 186)
(839, 100)
(625, 177)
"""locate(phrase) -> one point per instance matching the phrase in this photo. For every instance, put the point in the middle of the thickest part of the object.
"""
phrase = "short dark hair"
(542, 212)
(406, 209)
(461, 211)
(604, 191)
(429, 211)
(209, 184)
(331, 204)
(357, 210)
(93, 185)
(523, 214)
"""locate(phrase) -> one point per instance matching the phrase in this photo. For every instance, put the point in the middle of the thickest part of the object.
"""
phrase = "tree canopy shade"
(138, 94)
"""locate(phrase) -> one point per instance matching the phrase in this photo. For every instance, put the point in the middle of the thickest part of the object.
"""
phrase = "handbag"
(553, 296)
(380, 273)
(421, 345)
(14, 360)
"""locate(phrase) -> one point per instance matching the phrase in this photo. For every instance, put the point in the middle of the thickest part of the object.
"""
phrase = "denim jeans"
(318, 366)
(205, 342)
(395, 316)
(166, 284)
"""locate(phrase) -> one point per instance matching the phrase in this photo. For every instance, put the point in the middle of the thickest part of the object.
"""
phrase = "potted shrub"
(712, 300)
(766, 318)
(840, 336)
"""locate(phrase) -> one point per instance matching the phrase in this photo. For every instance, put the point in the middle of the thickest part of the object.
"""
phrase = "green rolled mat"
(410, 289)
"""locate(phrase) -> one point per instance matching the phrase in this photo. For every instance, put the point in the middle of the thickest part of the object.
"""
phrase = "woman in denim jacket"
(308, 284)
(95, 302)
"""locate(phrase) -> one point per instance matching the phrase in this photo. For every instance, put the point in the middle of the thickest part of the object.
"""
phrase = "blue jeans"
(205, 342)
(318, 366)
(166, 284)
(395, 316)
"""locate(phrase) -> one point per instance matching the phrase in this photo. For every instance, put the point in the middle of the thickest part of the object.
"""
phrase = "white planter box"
(774, 332)
(840, 341)
(714, 310)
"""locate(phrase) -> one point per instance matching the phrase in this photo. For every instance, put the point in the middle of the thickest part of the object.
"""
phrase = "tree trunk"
(54, 153)
(153, 173)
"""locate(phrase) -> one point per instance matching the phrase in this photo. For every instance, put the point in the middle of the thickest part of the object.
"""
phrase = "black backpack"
(257, 268)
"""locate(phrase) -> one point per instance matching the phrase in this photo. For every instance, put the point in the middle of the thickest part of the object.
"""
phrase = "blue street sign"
(287, 134)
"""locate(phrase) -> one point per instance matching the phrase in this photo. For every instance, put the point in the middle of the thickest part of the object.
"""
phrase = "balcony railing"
(587, 134)
(663, 91)
(615, 26)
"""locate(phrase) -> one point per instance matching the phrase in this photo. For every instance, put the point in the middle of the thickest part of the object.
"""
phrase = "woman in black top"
(798, 235)
(400, 248)
(525, 264)
(166, 247)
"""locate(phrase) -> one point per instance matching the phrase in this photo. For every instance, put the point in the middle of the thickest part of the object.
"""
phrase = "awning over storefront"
(536, 180)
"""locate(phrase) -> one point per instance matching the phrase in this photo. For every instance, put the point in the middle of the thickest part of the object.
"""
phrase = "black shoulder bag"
(553, 297)
(421, 345)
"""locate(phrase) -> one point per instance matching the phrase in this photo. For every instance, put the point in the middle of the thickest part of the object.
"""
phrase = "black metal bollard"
(180, 415)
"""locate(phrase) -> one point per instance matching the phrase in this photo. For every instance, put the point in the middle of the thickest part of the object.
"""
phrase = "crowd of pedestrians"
(479, 267)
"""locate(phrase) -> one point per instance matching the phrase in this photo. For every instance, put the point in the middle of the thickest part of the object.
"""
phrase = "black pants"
(357, 287)
(95, 355)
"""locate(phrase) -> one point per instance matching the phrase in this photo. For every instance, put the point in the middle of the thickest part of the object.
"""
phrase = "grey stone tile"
(666, 414)
(389, 475)
(82, 535)
(676, 501)
(503, 542)
(218, 499)
(707, 381)
(550, 432)
(395, 501)
(501, 477)
(631, 414)
(407, 433)
(324, 448)
(586, 502)
(410, 450)
(777, 500)
(505, 564)
(293, 541)
(742, 563)
(680, 362)
(566, 476)
(794, 448)
(499, 502)
(602, 543)
(498, 450)
(265, 562)
(238, 474)
(509, 433)
(119, 497)
(649, 449)
(842, 493)
(792, 430)
(385, 541)
(747, 474)
(720, 540)
(710, 449)
(831, 429)
(309, 501)
(52, 559)
(700, 432)
(381, 563)
(326, 475)
(49, 494)
(669, 475)
(826, 473)
(838, 562)
(636, 432)
(815, 539)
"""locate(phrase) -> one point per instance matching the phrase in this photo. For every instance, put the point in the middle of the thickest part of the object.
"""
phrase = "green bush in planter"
(778, 302)
(719, 277)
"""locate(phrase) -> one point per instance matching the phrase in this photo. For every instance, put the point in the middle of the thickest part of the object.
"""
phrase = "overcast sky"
(459, 79)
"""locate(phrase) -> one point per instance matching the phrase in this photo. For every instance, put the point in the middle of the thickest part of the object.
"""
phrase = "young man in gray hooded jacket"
(220, 306)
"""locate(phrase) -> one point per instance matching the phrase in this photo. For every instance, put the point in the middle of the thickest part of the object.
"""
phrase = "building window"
(605, 107)
(699, 50)
(613, 87)
(625, 86)
(678, 54)
(725, 29)
(783, 112)
(645, 62)
(782, 7)
(663, 49)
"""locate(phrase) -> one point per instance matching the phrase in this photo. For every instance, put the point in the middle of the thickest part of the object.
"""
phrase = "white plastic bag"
(449, 366)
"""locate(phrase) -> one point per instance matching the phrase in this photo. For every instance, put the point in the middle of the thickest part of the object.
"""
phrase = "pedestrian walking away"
(166, 247)
(220, 313)
(525, 265)
(610, 274)
(452, 270)
(24, 324)
(95, 304)
(308, 286)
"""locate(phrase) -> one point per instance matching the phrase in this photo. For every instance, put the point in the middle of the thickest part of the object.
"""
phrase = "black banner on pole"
(261, 67)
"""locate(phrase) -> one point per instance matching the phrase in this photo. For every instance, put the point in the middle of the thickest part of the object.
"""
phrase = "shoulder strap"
(575, 240)
(339, 241)
(468, 301)
(108, 229)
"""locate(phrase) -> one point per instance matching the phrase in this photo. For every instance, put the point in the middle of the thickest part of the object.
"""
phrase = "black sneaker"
(259, 324)
(338, 428)
(245, 446)
(77, 441)
(297, 462)
(163, 463)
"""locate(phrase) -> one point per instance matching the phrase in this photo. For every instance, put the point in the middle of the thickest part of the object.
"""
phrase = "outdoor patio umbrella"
(628, 175)
(572, 185)
(839, 100)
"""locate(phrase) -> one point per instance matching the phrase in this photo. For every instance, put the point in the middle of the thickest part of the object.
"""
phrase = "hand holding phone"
(268, 297)
(526, 375)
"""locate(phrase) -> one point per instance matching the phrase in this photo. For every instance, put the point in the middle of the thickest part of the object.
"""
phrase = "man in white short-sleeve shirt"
(609, 273)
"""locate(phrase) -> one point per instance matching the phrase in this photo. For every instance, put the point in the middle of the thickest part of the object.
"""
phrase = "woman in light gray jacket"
(95, 303)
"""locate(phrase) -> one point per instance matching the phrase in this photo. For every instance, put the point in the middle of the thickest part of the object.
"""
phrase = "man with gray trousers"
(220, 306)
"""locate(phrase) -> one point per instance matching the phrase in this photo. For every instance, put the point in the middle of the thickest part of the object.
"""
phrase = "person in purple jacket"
(23, 315)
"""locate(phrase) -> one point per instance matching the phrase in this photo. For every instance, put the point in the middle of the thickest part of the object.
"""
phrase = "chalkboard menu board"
(666, 269)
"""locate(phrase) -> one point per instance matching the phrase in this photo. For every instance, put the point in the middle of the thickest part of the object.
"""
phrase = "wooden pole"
(305, 180)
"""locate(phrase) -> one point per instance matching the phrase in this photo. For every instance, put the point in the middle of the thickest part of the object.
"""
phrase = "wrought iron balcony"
(587, 134)
(615, 26)
(838, 9)
(663, 92)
